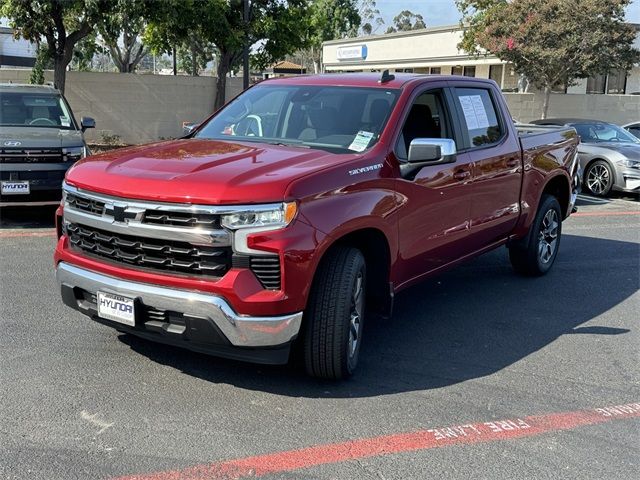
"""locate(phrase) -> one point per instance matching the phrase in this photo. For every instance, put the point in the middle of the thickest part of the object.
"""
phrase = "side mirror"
(428, 151)
(188, 127)
(87, 122)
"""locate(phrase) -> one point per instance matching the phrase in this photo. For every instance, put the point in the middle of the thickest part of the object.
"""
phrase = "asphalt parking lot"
(480, 373)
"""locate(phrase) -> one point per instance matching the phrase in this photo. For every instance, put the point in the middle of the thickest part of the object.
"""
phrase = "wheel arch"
(560, 187)
(375, 247)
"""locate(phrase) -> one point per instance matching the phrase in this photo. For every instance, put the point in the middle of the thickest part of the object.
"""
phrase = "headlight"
(629, 163)
(74, 153)
(268, 216)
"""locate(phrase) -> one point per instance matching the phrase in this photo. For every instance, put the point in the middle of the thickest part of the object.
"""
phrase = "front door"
(434, 221)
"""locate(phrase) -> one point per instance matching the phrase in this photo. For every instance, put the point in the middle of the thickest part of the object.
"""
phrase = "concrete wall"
(618, 109)
(137, 108)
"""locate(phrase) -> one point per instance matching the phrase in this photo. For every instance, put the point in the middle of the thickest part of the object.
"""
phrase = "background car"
(609, 155)
(633, 128)
(39, 140)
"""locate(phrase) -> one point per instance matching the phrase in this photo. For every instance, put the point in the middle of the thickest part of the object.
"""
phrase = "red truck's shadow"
(468, 323)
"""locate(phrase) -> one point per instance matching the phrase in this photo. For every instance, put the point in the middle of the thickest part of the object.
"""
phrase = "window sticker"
(474, 111)
(361, 142)
(64, 121)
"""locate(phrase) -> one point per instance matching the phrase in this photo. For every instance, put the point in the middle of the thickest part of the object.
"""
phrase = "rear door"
(494, 149)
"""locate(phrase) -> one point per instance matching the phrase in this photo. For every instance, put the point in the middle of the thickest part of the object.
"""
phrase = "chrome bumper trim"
(240, 330)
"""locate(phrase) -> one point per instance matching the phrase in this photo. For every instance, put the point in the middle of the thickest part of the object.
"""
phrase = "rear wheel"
(335, 315)
(598, 179)
(534, 255)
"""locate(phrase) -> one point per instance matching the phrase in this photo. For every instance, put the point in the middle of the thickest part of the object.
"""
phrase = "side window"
(426, 119)
(479, 118)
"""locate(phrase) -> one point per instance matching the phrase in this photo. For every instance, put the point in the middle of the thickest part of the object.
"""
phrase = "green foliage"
(84, 51)
(42, 63)
(406, 21)
(275, 28)
(329, 20)
(194, 54)
(61, 23)
(121, 28)
(552, 42)
(369, 16)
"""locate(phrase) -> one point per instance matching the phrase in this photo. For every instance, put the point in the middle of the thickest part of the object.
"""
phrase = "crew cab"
(39, 140)
(302, 207)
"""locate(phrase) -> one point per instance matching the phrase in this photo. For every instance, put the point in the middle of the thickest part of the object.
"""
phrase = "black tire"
(331, 346)
(598, 178)
(534, 255)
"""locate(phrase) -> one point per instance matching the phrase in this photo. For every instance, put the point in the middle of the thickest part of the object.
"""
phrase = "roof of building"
(26, 88)
(287, 65)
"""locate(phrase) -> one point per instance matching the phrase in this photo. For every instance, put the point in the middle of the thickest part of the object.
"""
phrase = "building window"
(435, 71)
(617, 82)
(469, 71)
(596, 84)
(495, 73)
(456, 70)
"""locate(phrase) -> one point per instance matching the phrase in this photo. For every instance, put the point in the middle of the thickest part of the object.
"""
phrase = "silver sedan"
(609, 155)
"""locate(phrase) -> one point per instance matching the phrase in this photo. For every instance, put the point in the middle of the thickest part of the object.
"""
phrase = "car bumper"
(198, 321)
(45, 183)
(629, 181)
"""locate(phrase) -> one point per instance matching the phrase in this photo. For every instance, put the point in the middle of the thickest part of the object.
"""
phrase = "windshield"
(603, 132)
(336, 119)
(34, 110)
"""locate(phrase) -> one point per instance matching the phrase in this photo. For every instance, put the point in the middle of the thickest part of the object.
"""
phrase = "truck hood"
(200, 171)
(39, 137)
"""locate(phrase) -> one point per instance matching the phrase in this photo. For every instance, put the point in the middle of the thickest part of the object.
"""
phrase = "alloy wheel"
(548, 236)
(598, 179)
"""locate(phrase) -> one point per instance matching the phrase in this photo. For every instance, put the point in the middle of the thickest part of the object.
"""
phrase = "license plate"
(15, 188)
(117, 308)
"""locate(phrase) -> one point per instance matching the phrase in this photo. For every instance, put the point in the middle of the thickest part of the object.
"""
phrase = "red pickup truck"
(300, 208)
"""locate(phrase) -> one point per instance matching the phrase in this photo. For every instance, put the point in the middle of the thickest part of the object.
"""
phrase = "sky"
(444, 12)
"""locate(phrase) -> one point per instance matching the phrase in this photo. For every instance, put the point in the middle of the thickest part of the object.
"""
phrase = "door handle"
(461, 174)
(513, 162)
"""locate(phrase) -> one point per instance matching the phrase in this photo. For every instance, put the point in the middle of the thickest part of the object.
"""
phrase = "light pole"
(245, 53)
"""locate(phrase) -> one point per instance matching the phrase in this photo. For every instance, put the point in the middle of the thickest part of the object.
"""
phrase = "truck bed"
(535, 136)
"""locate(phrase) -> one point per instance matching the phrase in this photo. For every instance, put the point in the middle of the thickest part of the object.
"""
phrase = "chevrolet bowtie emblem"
(119, 213)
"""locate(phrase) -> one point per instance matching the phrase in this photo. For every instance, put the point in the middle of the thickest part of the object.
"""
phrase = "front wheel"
(534, 255)
(598, 179)
(335, 315)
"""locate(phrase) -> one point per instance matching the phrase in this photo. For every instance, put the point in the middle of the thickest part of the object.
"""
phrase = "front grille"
(181, 219)
(48, 155)
(156, 254)
(84, 204)
(267, 269)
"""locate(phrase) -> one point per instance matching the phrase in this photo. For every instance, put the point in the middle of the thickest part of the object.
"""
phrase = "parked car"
(39, 140)
(305, 205)
(633, 128)
(609, 155)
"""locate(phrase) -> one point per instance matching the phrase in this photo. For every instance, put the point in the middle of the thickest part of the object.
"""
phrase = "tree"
(62, 24)
(406, 21)
(121, 30)
(551, 42)
(370, 17)
(194, 54)
(84, 52)
(275, 28)
(328, 20)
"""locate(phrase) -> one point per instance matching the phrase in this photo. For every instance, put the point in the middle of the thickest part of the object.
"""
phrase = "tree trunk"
(59, 73)
(545, 104)
(194, 59)
(221, 82)
(316, 66)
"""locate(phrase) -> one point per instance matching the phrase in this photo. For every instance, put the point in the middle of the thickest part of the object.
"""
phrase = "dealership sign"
(356, 52)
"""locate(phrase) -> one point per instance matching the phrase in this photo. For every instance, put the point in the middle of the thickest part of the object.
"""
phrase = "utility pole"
(175, 63)
(245, 53)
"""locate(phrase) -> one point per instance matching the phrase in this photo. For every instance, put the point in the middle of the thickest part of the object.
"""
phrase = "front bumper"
(197, 321)
(45, 183)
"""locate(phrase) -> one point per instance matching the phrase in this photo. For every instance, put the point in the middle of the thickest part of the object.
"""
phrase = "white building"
(15, 53)
(435, 50)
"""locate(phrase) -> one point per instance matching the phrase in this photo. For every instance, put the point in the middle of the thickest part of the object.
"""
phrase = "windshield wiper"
(289, 144)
